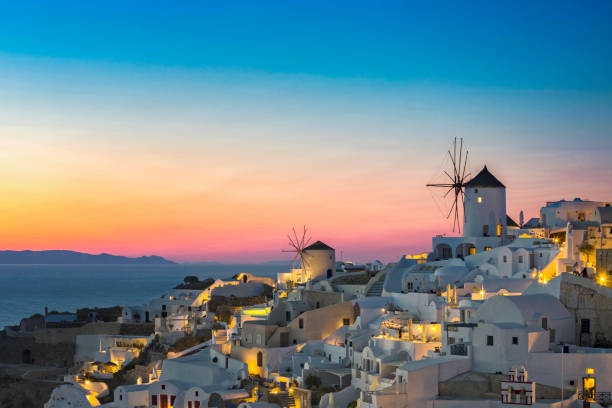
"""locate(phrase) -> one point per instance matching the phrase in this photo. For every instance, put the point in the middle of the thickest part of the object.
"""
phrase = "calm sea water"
(27, 289)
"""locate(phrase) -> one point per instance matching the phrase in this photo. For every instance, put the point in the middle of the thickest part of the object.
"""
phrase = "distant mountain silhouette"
(79, 258)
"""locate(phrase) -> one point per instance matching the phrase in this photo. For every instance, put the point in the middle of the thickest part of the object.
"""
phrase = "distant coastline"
(57, 257)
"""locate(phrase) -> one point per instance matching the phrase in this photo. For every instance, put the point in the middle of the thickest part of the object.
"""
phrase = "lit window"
(480, 199)
(487, 248)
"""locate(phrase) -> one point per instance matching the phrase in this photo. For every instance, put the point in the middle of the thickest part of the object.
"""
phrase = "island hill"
(76, 258)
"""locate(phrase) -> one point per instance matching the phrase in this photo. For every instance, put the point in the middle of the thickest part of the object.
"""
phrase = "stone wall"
(25, 350)
(587, 300)
(68, 334)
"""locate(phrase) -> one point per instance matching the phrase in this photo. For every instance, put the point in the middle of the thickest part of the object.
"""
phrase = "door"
(284, 339)
(163, 401)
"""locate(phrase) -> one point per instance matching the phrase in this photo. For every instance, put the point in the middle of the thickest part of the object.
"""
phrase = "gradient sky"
(205, 131)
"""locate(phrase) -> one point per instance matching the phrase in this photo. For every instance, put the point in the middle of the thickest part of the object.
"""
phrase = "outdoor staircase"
(287, 400)
(376, 288)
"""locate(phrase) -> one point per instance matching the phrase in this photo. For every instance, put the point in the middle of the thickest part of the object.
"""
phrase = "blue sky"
(535, 45)
(268, 106)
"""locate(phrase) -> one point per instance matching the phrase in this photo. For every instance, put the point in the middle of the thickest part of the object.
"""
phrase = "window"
(515, 340)
(301, 323)
(197, 393)
(163, 307)
(410, 286)
(545, 323)
(487, 248)
(153, 399)
(318, 305)
(585, 326)
(472, 250)
(520, 258)
(288, 316)
(120, 397)
(499, 230)
(485, 230)
(489, 340)
(346, 322)
(451, 340)
(259, 359)
(172, 398)
(163, 387)
(479, 199)
(540, 257)
(505, 259)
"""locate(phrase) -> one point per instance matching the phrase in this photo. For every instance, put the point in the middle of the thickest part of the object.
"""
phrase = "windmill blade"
(452, 159)
(455, 155)
(449, 190)
(451, 210)
(307, 242)
(460, 154)
(449, 176)
(304, 237)
(297, 240)
(465, 166)
(457, 212)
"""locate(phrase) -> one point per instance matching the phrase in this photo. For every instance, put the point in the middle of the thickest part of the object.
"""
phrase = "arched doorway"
(465, 249)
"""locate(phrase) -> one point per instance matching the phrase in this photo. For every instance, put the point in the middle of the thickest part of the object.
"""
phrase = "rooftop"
(319, 245)
(485, 179)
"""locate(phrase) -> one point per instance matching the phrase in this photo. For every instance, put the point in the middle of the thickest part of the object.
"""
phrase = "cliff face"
(72, 257)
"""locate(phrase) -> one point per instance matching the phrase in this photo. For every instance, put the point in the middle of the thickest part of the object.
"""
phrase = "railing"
(600, 397)
(459, 349)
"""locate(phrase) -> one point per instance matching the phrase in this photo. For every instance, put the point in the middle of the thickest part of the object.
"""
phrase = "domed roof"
(485, 179)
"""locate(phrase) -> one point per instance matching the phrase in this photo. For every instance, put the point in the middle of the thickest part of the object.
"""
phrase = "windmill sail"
(454, 182)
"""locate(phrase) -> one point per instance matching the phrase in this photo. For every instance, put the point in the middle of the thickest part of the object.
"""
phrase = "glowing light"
(481, 292)
(590, 371)
(263, 311)
(87, 382)
(480, 199)
(602, 280)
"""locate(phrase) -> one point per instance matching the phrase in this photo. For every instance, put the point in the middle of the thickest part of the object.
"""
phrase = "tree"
(586, 249)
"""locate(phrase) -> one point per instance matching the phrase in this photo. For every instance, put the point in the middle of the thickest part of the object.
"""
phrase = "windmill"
(456, 181)
(298, 245)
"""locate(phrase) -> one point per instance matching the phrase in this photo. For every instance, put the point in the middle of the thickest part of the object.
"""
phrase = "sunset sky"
(206, 131)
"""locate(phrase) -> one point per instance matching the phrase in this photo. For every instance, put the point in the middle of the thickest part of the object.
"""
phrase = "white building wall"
(491, 210)
(320, 261)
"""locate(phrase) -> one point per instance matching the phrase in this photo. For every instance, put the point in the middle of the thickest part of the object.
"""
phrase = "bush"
(189, 341)
(312, 382)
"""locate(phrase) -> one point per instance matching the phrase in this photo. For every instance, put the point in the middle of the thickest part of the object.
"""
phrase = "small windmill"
(298, 245)
(456, 181)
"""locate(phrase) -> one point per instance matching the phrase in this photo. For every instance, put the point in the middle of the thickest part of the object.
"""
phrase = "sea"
(27, 289)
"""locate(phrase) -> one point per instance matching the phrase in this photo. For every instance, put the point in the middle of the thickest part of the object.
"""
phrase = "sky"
(206, 131)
